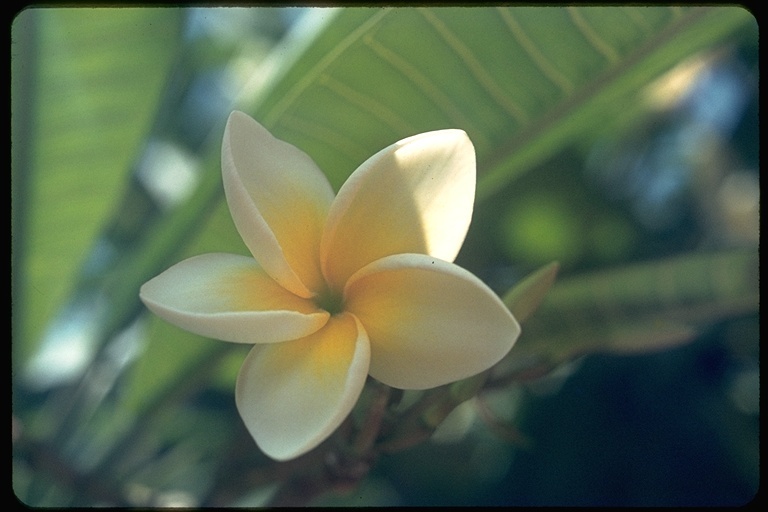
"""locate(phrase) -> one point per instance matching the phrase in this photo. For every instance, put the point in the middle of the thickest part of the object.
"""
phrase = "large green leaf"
(522, 81)
(89, 103)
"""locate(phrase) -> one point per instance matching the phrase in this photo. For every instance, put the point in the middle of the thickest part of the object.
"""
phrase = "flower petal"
(228, 297)
(430, 322)
(279, 200)
(293, 395)
(415, 196)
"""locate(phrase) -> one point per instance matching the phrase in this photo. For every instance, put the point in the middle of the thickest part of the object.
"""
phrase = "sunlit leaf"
(522, 81)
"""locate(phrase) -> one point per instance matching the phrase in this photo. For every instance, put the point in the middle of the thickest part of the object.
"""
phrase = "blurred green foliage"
(618, 141)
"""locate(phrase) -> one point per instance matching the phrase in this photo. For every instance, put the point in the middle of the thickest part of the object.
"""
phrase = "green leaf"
(528, 294)
(642, 307)
(522, 81)
(85, 110)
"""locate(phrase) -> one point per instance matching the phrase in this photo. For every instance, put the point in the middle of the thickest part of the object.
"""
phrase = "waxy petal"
(228, 297)
(415, 196)
(293, 395)
(430, 322)
(279, 200)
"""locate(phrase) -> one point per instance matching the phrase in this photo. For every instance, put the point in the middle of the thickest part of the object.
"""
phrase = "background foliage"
(619, 141)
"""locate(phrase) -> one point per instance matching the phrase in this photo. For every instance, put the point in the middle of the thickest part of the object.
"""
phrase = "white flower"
(339, 287)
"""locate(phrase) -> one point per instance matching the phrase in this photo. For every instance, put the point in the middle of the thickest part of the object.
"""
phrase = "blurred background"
(621, 142)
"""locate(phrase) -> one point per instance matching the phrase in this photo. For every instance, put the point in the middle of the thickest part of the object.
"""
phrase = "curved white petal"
(415, 196)
(279, 200)
(293, 395)
(228, 297)
(430, 322)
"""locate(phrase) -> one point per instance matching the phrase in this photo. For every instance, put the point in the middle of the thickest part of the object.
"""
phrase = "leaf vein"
(326, 135)
(476, 68)
(430, 90)
(538, 58)
(367, 103)
(310, 77)
(592, 36)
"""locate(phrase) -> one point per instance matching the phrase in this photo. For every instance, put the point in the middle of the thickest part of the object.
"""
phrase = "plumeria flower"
(341, 287)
